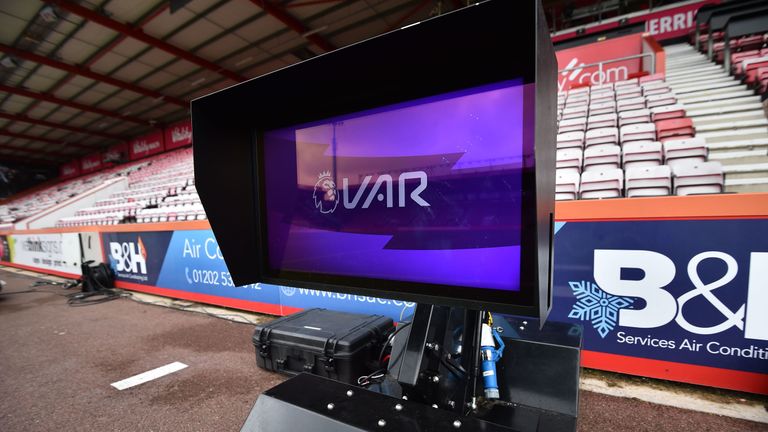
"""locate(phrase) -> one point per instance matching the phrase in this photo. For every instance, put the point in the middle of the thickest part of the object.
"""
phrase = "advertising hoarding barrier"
(672, 288)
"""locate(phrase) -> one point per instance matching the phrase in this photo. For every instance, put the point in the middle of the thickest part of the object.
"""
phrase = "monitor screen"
(427, 191)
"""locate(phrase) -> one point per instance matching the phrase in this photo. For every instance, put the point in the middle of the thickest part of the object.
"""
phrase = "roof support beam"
(138, 34)
(293, 23)
(55, 100)
(20, 118)
(409, 14)
(33, 138)
(86, 72)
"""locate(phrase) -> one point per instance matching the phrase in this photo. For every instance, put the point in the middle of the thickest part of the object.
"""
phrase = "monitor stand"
(435, 382)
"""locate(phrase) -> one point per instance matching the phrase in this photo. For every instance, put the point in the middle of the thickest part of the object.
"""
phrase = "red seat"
(750, 42)
(674, 128)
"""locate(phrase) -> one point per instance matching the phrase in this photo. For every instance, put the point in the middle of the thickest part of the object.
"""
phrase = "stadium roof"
(77, 77)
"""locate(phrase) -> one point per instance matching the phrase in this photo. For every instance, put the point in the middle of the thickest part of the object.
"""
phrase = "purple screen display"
(427, 191)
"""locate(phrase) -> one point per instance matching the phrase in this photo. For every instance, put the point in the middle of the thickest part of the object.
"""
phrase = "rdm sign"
(692, 292)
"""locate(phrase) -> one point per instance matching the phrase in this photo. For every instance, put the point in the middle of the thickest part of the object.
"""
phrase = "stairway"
(725, 113)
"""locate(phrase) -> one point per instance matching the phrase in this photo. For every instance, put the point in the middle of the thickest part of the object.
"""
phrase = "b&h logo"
(129, 256)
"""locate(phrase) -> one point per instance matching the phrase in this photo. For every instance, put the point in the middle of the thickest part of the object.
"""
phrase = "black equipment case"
(338, 345)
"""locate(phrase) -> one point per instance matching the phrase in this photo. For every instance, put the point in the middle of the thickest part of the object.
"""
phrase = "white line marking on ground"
(755, 413)
(148, 375)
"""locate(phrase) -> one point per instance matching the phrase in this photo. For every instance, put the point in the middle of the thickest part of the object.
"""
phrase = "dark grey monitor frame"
(491, 42)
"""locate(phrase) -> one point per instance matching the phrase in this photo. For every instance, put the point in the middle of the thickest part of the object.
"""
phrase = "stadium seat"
(570, 112)
(675, 128)
(602, 96)
(642, 154)
(638, 132)
(570, 139)
(653, 90)
(602, 157)
(602, 184)
(648, 181)
(631, 104)
(685, 151)
(608, 106)
(569, 159)
(576, 124)
(698, 178)
(635, 116)
(628, 92)
(660, 100)
(602, 136)
(566, 185)
(667, 112)
(601, 121)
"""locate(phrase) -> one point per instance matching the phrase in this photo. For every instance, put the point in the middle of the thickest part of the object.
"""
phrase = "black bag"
(338, 345)
(96, 277)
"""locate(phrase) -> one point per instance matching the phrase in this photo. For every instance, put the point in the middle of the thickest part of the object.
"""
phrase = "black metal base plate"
(311, 403)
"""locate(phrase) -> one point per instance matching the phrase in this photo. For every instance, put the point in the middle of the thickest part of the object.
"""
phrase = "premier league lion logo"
(325, 194)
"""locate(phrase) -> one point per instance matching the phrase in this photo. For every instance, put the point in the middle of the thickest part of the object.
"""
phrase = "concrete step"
(745, 171)
(741, 157)
(695, 70)
(737, 145)
(733, 135)
(686, 64)
(694, 77)
(738, 112)
(693, 73)
(731, 125)
(730, 92)
(741, 97)
(698, 79)
(708, 88)
(746, 185)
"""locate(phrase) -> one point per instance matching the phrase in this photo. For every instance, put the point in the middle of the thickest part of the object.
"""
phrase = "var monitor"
(416, 165)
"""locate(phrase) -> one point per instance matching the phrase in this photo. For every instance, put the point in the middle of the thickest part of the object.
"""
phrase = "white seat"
(660, 100)
(601, 121)
(602, 136)
(578, 91)
(685, 151)
(656, 90)
(605, 107)
(638, 132)
(602, 184)
(601, 87)
(634, 116)
(632, 82)
(566, 185)
(570, 139)
(602, 95)
(569, 158)
(698, 178)
(602, 157)
(630, 104)
(642, 154)
(628, 92)
(648, 181)
(570, 112)
(572, 125)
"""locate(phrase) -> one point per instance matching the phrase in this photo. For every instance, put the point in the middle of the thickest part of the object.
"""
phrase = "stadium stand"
(160, 188)
(628, 139)
(725, 110)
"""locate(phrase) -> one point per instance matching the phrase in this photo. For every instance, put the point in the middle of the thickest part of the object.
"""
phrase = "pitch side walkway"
(57, 363)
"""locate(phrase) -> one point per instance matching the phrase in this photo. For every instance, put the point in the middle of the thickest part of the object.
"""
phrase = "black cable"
(390, 337)
(81, 299)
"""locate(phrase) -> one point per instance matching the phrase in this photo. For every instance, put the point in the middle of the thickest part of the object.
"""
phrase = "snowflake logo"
(597, 306)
